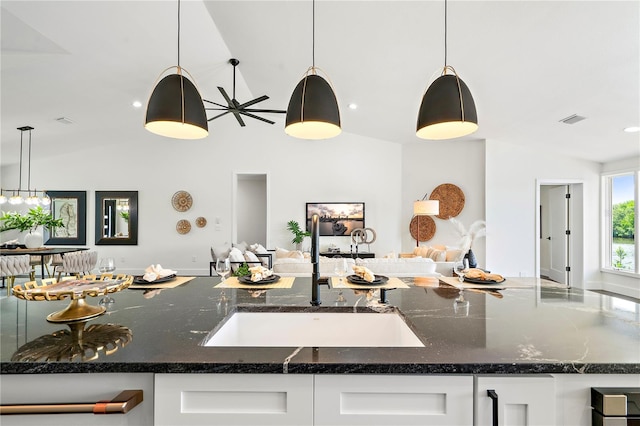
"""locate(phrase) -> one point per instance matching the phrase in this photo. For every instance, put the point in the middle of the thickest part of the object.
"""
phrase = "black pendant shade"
(313, 110)
(447, 110)
(175, 109)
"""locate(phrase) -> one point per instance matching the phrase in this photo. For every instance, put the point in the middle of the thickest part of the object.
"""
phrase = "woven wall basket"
(427, 228)
(451, 200)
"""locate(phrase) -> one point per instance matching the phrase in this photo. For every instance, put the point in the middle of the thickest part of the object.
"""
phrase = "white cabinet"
(393, 400)
(529, 400)
(76, 388)
(233, 399)
(272, 399)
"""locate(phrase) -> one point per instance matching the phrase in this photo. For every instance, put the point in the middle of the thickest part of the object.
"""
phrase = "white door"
(558, 225)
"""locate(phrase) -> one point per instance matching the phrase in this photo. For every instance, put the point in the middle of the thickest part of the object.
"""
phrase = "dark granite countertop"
(517, 331)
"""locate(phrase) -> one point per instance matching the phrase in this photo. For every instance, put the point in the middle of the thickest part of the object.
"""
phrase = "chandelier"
(27, 196)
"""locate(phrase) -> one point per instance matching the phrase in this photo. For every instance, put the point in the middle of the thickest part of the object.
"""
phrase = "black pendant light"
(313, 111)
(447, 110)
(175, 108)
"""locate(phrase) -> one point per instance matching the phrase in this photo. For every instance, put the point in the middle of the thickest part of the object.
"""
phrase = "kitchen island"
(534, 331)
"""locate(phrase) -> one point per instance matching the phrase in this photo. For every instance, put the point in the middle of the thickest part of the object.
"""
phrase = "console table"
(353, 255)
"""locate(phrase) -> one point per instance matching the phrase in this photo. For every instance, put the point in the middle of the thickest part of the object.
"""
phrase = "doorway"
(559, 226)
(250, 208)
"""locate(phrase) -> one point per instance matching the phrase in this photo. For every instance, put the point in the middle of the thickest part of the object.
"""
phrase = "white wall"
(427, 164)
(251, 208)
(511, 206)
(346, 168)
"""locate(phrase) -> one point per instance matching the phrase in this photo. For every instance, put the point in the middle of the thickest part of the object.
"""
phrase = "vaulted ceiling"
(529, 64)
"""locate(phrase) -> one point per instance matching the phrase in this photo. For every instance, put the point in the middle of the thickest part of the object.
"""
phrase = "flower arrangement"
(467, 236)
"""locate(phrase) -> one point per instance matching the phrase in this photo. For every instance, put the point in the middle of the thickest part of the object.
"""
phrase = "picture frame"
(71, 207)
(337, 219)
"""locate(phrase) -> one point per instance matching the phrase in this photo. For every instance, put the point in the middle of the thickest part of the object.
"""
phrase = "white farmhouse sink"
(315, 329)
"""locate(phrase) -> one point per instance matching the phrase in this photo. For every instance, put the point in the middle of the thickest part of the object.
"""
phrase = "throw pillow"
(235, 255)
(220, 252)
(242, 246)
(251, 258)
(438, 255)
(288, 254)
(454, 255)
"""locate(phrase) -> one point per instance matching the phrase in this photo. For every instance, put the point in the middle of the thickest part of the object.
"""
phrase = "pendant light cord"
(20, 177)
(29, 170)
(313, 34)
(445, 33)
(178, 34)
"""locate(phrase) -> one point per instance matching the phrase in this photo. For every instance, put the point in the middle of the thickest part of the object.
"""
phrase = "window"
(620, 245)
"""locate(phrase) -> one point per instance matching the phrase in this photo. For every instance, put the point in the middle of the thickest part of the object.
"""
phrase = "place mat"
(171, 284)
(506, 284)
(393, 282)
(232, 282)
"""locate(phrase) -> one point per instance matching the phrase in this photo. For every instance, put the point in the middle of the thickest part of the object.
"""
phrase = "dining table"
(40, 251)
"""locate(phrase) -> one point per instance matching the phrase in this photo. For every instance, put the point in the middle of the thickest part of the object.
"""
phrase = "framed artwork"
(336, 219)
(71, 207)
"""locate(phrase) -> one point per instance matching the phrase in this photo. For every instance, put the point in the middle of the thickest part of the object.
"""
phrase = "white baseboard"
(614, 288)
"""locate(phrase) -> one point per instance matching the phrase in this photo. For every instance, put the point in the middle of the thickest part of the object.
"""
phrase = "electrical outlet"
(193, 259)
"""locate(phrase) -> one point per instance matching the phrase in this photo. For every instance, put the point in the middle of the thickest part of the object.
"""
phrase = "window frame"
(606, 212)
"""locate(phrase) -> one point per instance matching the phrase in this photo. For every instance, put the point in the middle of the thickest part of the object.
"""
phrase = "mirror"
(116, 218)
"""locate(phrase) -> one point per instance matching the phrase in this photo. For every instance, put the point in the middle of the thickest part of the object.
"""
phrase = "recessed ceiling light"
(137, 104)
(633, 129)
(353, 106)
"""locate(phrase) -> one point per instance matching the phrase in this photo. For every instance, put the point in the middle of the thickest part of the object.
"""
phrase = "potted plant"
(30, 221)
(298, 234)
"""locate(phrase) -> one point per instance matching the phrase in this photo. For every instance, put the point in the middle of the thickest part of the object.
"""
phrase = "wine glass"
(107, 265)
(223, 268)
(460, 268)
(340, 268)
(461, 305)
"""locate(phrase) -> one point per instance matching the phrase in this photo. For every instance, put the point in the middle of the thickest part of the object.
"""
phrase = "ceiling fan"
(236, 108)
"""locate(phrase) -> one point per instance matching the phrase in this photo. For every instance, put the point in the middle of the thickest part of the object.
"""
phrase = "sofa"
(295, 263)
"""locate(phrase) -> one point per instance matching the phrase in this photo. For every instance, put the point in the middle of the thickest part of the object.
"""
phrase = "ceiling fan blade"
(255, 101)
(271, 111)
(256, 117)
(237, 115)
(219, 115)
(215, 103)
(226, 97)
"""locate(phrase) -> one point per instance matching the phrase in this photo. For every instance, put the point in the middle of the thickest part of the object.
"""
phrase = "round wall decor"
(183, 226)
(451, 200)
(201, 222)
(427, 228)
(181, 201)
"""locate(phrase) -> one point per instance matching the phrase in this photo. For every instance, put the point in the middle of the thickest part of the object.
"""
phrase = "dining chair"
(12, 266)
(78, 263)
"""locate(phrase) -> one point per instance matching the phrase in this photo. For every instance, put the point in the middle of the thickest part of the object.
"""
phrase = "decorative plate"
(183, 226)
(479, 281)
(201, 222)
(451, 200)
(427, 227)
(355, 279)
(138, 279)
(246, 279)
(181, 201)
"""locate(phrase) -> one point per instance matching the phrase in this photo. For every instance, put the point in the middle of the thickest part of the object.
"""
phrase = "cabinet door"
(393, 400)
(75, 388)
(521, 400)
(233, 399)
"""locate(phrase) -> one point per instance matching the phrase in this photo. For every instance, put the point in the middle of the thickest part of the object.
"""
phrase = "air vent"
(572, 119)
(64, 120)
